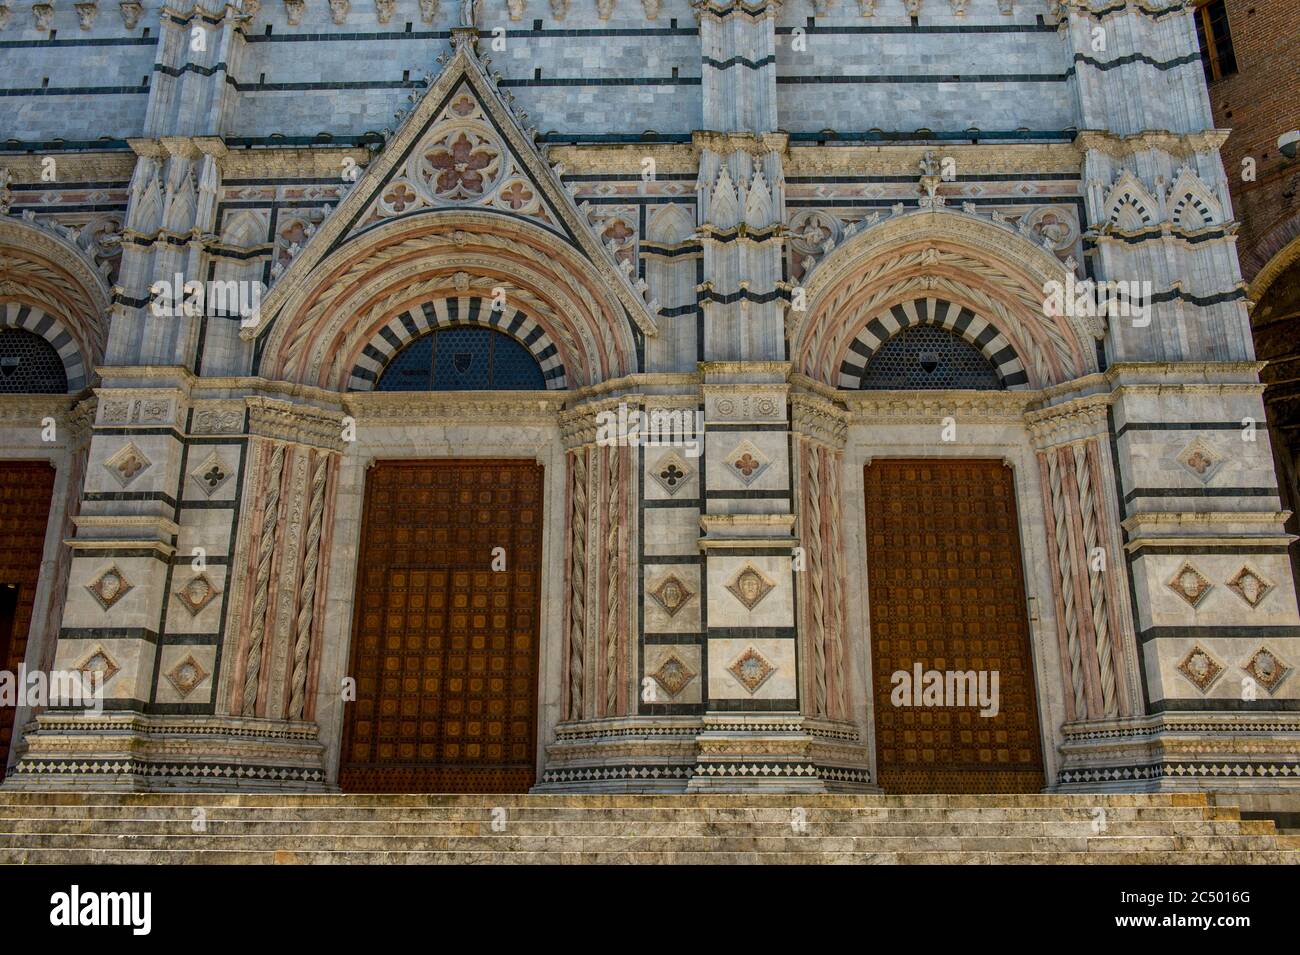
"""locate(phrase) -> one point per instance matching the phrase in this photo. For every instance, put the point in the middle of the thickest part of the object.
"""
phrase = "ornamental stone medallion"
(746, 463)
(109, 587)
(211, 475)
(1190, 584)
(1200, 460)
(198, 593)
(671, 472)
(751, 670)
(98, 668)
(186, 675)
(1266, 668)
(1201, 668)
(127, 464)
(1250, 586)
(750, 586)
(673, 675)
(671, 594)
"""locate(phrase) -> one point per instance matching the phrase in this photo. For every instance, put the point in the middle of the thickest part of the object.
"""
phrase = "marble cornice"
(902, 160)
(1140, 375)
(1070, 422)
(898, 407)
(1176, 144)
(724, 144)
(295, 423)
(454, 407)
(820, 420)
(307, 162)
(115, 166)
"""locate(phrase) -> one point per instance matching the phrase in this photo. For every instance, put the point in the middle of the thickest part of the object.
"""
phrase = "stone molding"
(295, 424)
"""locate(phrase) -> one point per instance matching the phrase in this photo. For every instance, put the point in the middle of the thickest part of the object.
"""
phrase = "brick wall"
(1258, 103)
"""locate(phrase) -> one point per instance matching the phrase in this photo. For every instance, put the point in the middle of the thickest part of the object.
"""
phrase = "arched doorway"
(952, 675)
(446, 616)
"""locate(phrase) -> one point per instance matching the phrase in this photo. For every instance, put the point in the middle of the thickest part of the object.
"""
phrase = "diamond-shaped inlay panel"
(186, 675)
(198, 593)
(1267, 668)
(212, 475)
(751, 670)
(747, 463)
(1190, 584)
(673, 675)
(1201, 668)
(1201, 460)
(127, 464)
(98, 668)
(1250, 586)
(750, 586)
(672, 594)
(109, 587)
(671, 472)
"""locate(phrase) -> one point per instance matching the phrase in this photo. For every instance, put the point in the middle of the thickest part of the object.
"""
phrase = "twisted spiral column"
(266, 551)
(307, 593)
(835, 624)
(1065, 565)
(578, 581)
(813, 543)
(1096, 582)
(612, 580)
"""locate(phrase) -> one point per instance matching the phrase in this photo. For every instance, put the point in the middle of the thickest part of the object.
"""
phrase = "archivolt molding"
(58, 291)
(581, 276)
(993, 271)
(1286, 255)
(323, 328)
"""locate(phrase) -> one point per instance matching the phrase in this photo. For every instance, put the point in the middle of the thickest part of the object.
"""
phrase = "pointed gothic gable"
(461, 148)
(459, 160)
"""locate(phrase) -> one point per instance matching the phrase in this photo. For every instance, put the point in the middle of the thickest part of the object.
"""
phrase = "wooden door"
(26, 489)
(444, 646)
(945, 590)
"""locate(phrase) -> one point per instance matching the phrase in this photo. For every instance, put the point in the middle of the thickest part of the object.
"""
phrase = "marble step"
(633, 816)
(640, 842)
(609, 801)
(38, 856)
(182, 825)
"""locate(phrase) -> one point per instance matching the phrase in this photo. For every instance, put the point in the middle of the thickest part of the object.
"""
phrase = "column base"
(1183, 752)
(133, 752)
(761, 752)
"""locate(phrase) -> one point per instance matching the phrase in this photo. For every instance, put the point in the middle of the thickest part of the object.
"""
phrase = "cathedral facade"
(603, 395)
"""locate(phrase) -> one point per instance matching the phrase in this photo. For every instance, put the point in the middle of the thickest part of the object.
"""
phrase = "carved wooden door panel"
(444, 646)
(945, 589)
(26, 488)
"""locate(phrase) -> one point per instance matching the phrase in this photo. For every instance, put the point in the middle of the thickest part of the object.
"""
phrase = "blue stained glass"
(513, 368)
(463, 358)
(29, 364)
(928, 357)
(410, 368)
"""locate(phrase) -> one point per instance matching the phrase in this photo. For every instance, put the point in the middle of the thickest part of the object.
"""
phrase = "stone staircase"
(187, 828)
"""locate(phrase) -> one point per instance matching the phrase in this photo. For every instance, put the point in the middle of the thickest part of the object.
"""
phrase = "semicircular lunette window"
(29, 365)
(465, 358)
(928, 357)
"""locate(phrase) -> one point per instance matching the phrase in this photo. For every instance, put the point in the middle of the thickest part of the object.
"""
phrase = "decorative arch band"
(31, 318)
(405, 327)
(930, 311)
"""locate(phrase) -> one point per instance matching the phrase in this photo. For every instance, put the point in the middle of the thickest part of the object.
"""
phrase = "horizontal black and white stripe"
(404, 327)
(33, 319)
(931, 311)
